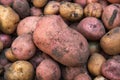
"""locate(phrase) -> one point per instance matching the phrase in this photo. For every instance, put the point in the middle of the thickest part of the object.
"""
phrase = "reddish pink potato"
(21, 7)
(81, 2)
(48, 70)
(104, 3)
(35, 11)
(6, 40)
(6, 2)
(111, 68)
(27, 25)
(114, 1)
(91, 28)
(69, 73)
(23, 47)
(84, 76)
(92, 1)
(59, 41)
(111, 16)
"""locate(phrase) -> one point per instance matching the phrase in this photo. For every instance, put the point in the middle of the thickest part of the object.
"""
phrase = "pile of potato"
(59, 39)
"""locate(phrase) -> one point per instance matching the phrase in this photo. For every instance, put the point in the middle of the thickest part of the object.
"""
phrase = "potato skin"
(48, 70)
(21, 7)
(35, 11)
(39, 3)
(83, 76)
(27, 25)
(71, 11)
(114, 1)
(70, 51)
(110, 42)
(91, 28)
(8, 19)
(19, 70)
(23, 47)
(111, 68)
(81, 2)
(6, 2)
(111, 16)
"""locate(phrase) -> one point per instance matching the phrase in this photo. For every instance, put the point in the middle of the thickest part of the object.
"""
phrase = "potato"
(114, 1)
(9, 55)
(35, 11)
(84, 76)
(104, 3)
(52, 7)
(95, 63)
(81, 2)
(110, 42)
(100, 78)
(69, 73)
(39, 3)
(8, 19)
(71, 11)
(21, 7)
(93, 10)
(91, 28)
(27, 25)
(94, 47)
(1, 45)
(23, 47)
(1, 69)
(92, 1)
(6, 40)
(59, 41)
(19, 70)
(111, 16)
(111, 68)
(6, 2)
(48, 70)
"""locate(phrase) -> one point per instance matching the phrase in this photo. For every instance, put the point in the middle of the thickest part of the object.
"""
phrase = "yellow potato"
(8, 19)
(39, 3)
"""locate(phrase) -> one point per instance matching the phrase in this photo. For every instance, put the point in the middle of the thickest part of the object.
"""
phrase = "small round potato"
(110, 42)
(71, 11)
(93, 10)
(8, 19)
(39, 3)
(52, 7)
(95, 63)
(23, 47)
(19, 70)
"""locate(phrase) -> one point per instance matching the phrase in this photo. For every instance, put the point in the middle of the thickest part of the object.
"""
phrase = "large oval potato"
(23, 47)
(61, 42)
(8, 19)
(110, 42)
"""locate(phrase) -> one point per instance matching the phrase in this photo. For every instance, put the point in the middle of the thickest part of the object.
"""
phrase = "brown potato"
(1, 45)
(48, 70)
(110, 42)
(93, 10)
(22, 8)
(23, 47)
(71, 11)
(111, 68)
(8, 19)
(95, 63)
(52, 7)
(92, 28)
(9, 55)
(84, 76)
(19, 70)
(59, 41)
(111, 16)
(39, 3)
(27, 25)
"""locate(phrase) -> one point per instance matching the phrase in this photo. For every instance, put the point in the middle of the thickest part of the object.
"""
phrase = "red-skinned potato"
(6, 40)
(70, 51)
(104, 3)
(21, 7)
(91, 27)
(92, 1)
(35, 11)
(23, 47)
(27, 25)
(48, 70)
(82, 76)
(6, 2)
(111, 68)
(19, 70)
(111, 16)
(81, 2)
(114, 1)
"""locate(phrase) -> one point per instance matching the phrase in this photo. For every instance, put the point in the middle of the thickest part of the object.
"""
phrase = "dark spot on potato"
(81, 46)
(116, 30)
(112, 18)
(68, 5)
(116, 5)
(21, 70)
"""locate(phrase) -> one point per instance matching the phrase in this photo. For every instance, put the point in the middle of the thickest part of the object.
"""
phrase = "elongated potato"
(59, 41)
